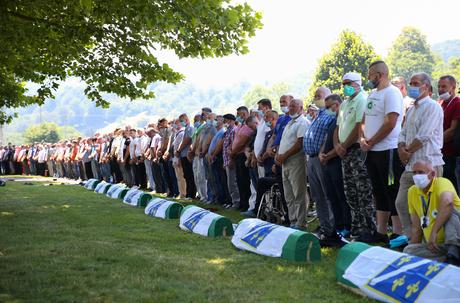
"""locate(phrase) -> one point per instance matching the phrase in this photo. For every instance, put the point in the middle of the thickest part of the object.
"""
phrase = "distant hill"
(447, 49)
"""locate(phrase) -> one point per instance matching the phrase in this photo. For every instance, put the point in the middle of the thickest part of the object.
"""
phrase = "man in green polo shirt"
(358, 190)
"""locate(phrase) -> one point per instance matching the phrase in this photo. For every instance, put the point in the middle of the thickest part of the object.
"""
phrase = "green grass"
(66, 244)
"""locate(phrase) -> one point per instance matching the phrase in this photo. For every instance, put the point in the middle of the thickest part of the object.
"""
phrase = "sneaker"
(345, 233)
(375, 237)
(452, 260)
(249, 213)
(331, 241)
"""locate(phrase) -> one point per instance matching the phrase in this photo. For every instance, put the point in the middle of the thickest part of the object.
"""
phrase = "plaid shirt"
(227, 145)
(316, 133)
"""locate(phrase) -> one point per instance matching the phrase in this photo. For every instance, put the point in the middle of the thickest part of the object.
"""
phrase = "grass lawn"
(64, 243)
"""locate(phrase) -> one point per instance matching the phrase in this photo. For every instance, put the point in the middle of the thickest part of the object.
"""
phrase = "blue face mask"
(413, 92)
(269, 123)
(197, 124)
(348, 90)
(214, 123)
(330, 112)
(208, 122)
(309, 117)
(183, 123)
(239, 119)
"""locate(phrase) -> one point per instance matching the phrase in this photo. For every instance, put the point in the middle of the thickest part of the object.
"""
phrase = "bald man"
(434, 208)
(320, 95)
(379, 132)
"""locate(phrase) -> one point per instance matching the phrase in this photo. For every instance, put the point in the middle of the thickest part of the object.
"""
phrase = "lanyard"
(425, 204)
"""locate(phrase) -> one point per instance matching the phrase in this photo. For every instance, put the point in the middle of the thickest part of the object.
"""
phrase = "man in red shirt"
(451, 106)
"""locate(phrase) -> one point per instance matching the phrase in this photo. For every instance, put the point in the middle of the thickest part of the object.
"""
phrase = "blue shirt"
(279, 128)
(316, 133)
(215, 139)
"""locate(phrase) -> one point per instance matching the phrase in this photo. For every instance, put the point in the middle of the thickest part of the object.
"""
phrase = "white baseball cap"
(352, 76)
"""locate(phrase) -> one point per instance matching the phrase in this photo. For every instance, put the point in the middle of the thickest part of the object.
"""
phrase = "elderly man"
(182, 152)
(358, 190)
(420, 137)
(264, 105)
(434, 208)
(451, 106)
(314, 139)
(379, 139)
(229, 163)
(320, 95)
(291, 157)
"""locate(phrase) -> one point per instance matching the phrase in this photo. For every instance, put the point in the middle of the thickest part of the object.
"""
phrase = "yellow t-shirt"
(415, 195)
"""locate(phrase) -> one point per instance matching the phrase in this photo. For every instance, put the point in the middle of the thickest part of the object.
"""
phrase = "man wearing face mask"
(320, 95)
(313, 140)
(264, 105)
(434, 209)
(420, 137)
(379, 139)
(358, 190)
(209, 133)
(182, 153)
(292, 159)
(451, 107)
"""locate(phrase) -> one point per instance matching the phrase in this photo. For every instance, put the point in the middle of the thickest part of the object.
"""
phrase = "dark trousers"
(243, 181)
(140, 177)
(220, 178)
(167, 178)
(332, 173)
(174, 190)
(115, 169)
(384, 185)
(88, 170)
(188, 176)
(25, 167)
(41, 167)
(450, 163)
(160, 185)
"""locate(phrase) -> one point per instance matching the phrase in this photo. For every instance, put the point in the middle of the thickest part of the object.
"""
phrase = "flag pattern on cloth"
(162, 208)
(274, 240)
(136, 197)
(102, 187)
(91, 184)
(115, 191)
(391, 276)
(204, 222)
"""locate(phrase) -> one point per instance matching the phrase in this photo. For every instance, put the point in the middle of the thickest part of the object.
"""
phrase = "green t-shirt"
(351, 112)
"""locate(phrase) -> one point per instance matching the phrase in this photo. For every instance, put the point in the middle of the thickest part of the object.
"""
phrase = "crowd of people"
(371, 163)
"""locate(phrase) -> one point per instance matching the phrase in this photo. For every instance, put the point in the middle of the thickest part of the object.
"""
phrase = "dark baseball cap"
(229, 117)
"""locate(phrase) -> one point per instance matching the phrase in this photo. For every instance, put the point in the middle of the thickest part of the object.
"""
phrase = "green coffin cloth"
(144, 199)
(123, 193)
(346, 256)
(205, 222)
(173, 211)
(302, 247)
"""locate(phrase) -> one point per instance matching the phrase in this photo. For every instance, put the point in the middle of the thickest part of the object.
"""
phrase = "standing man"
(451, 107)
(320, 95)
(229, 163)
(358, 190)
(401, 84)
(264, 105)
(315, 137)
(291, 158)
(421, 137)
(182, 152)
(379, 139)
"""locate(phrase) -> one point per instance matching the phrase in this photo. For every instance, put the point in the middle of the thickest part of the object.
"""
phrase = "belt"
(313, 155)
(354, 146)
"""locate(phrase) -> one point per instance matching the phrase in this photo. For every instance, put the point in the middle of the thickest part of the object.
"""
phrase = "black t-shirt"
(329, 143)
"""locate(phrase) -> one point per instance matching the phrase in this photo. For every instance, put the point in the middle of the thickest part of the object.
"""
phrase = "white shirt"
(294, 130)
(41, 156)
(137, 146)
(145, 140)
(379, 104)
(424, 123)
(156, 141)
(262, 130)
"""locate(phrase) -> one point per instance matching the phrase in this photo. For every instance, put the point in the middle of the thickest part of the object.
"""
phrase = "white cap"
(313, 107)
(352, 76)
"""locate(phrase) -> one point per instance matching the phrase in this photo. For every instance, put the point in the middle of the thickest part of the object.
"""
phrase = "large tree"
(349, 54)
(273, 93)
(110, 45)
(410, 53)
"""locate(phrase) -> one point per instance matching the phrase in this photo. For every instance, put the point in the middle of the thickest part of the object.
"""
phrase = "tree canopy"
(49, 132)
(110, 45)
(411, 53)
(349, 54)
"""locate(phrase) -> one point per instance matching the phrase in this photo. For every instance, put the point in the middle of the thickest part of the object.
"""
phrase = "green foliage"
(410, 53)
(46, 131)
(349, 54)
(110, 45)
(49, 132)
(273, 93)
(452, 67)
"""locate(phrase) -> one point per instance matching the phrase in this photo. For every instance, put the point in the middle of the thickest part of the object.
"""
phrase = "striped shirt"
(424, 123)
(227, 144)
(316, 133)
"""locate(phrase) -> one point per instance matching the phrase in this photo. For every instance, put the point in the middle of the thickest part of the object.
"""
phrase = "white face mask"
(421, 180)
(284, 109)
(445, 96)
